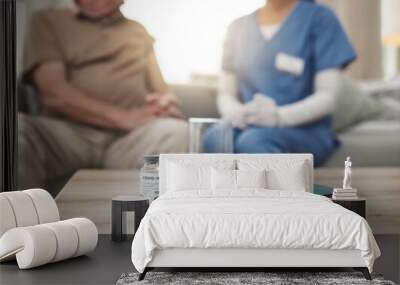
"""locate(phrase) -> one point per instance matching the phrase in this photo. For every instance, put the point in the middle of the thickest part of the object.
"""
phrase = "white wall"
(362, 21)
(25, 9)
(190, 33)
(391, 28)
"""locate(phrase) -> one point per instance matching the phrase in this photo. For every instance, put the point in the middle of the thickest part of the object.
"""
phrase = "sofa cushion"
(197, 101)
(370, 144)
(353, 105)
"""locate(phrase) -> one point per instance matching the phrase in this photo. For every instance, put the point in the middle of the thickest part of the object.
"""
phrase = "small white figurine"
(347, 174)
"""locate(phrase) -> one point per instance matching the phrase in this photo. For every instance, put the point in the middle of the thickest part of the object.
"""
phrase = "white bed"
(249, 227)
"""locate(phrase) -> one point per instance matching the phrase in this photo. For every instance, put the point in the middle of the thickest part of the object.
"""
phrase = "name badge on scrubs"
(289, 63)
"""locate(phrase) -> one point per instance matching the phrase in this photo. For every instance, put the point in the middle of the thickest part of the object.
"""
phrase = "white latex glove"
(228, 101)
(236, 116)
(262, 111)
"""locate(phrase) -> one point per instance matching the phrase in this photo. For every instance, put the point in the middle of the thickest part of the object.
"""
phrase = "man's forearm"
(80, 107)
(57, 94)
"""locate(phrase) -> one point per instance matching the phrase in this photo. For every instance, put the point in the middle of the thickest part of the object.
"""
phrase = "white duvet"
(250, 219)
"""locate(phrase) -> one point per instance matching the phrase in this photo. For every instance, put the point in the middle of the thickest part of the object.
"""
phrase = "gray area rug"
(269, 278)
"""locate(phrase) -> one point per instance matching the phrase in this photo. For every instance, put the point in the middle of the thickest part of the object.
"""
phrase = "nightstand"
(121, 205)
(358, 205)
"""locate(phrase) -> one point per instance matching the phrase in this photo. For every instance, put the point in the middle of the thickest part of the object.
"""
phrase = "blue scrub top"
(311, 33)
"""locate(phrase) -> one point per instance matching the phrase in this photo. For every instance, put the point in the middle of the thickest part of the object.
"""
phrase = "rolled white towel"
(26, 208)
(32, 246)
(37, 245)
(67, 240)
(7, 218)
(45, 205)
(23, 208)
(87, 233)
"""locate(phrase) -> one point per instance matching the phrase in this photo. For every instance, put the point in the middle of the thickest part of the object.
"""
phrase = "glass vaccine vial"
(149, 177)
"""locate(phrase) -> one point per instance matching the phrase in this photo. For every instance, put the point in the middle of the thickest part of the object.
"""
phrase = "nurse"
(281, 71)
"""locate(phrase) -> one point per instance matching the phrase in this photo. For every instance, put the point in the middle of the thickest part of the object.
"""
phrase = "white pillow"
(186, 174)
(225, 179)
(251, 179)
(281, 175)
(188, 177)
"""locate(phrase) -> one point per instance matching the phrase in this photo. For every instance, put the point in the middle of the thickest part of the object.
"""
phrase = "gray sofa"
(371, 143)
(374, 146)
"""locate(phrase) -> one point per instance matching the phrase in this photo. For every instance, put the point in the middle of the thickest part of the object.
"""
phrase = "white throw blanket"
(250, 219)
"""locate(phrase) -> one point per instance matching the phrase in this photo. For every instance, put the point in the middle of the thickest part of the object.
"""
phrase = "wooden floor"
(110, 260)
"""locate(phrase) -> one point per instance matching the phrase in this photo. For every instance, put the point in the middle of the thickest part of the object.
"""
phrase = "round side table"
(121, 205)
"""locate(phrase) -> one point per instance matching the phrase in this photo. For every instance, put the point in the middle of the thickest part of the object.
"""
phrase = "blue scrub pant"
(310, 139)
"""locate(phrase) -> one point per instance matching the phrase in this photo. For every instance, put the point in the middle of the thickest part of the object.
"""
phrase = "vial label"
(149, 184)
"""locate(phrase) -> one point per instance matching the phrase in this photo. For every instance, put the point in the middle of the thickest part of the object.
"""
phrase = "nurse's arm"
(228, 95)
(316, 106)
(228, 103)
(57, 94)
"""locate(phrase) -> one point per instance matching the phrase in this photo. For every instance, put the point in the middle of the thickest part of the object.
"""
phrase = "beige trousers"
(50, 148)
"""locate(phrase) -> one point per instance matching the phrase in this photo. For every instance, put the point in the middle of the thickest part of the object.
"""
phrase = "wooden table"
(89, 194)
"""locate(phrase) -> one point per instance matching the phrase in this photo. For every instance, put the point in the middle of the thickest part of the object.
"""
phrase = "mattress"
(257, 219)
(370, 144)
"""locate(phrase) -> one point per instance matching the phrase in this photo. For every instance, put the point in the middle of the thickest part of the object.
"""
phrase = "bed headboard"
(206, 159)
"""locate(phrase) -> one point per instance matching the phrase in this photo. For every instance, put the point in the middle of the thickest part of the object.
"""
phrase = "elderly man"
(104, 101)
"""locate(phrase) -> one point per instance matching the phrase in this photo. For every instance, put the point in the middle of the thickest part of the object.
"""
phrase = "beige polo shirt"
(106, 59)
